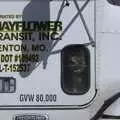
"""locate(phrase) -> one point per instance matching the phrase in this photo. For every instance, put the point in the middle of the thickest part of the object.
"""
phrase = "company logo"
(31, 117)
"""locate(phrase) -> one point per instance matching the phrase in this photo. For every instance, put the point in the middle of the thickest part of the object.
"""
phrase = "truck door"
(53, 65)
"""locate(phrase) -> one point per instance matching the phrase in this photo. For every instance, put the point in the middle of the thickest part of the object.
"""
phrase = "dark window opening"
(75, 72)
(114, 2)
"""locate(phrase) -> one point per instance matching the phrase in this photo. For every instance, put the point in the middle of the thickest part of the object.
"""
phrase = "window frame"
(83, 46)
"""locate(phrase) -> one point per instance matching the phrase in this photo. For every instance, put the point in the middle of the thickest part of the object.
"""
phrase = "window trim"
(89, 82)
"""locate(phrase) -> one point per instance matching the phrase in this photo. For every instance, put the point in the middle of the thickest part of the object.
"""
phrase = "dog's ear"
(114, 2)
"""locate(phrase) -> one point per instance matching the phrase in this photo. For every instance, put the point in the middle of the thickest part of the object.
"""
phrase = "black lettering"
(26, 97)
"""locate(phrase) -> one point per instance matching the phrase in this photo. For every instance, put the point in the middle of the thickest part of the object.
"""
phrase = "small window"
(7, 85)
(114, 2)
(75, 72)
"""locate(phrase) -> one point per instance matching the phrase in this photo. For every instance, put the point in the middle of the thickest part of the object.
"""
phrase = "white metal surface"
(48, 81)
